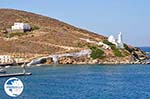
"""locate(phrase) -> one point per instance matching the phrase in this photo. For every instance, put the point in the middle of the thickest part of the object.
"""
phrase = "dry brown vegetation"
(49, 36)
(41, 41)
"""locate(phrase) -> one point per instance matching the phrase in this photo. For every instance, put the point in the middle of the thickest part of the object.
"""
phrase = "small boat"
(2, 71)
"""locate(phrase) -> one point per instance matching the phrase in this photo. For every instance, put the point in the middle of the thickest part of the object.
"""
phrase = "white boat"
(2, 71)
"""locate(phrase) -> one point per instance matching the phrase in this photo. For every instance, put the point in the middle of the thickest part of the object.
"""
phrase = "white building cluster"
(5, 59)
(118, 42)
(21, 26)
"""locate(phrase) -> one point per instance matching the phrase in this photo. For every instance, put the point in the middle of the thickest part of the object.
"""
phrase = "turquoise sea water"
(84, 82)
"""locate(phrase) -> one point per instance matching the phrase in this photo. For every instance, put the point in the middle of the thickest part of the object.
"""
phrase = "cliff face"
(138, 54)
(50, 36)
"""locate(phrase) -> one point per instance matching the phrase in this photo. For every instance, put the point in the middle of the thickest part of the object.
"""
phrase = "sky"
(105, 17)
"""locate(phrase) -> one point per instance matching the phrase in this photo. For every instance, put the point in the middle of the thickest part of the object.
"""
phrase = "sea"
(146, 49)
(83, 82)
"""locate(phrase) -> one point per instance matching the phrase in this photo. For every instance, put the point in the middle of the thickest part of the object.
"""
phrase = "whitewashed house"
(118, 42)
(5, 59)
(21, 26)
(112, 40)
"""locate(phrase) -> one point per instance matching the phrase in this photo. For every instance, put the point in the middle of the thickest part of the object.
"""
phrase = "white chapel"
(118, 42)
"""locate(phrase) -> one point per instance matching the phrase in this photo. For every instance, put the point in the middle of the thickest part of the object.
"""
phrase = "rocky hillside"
(49, 36)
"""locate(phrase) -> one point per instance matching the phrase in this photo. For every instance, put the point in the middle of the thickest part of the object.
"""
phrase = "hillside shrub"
(107, 42)
(113, 46)
(35, 28)
(9, 35)
(97, 53)
(127, 48)
(117, 53)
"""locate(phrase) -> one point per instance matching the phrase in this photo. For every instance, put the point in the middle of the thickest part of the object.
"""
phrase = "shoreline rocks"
(87, 60)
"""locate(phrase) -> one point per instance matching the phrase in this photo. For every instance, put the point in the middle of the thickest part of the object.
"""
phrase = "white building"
(112, 40)
(5, 59)
(118, 42)
(21, 26)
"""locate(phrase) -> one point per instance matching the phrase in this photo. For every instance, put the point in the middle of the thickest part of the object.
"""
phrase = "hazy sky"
(106, 17)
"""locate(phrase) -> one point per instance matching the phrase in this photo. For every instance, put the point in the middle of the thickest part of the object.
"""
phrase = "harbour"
(82, 81)
(3, 71)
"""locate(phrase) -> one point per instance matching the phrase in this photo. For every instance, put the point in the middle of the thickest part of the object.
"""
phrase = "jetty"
(15, 74)
(24, 73)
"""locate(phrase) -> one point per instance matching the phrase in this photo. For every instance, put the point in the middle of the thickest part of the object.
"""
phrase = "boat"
(2, 71)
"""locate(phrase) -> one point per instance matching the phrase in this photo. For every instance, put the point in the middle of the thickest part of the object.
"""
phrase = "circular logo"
(13, 87)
